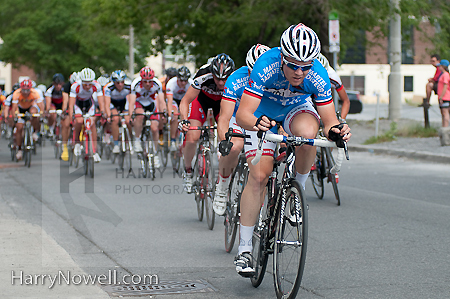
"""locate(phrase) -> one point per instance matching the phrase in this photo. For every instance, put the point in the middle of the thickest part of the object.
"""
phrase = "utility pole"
(131, 52)
(334, 42)
(395, 54)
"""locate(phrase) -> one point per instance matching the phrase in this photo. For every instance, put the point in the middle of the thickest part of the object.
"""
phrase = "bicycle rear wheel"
(208, 187)
(197, 184)
(290, 243)
(331, 176)
(260, 243)
(91, 159)
(231, 212)
(316, 174)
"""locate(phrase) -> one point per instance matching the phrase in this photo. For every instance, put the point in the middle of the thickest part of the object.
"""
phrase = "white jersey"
(115, 95)
(8, 100)
(176, 91)
(144, 96)
(77, 91)
(335, 80)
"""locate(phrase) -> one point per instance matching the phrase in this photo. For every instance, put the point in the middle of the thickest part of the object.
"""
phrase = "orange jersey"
(26, 102)
(163, 83)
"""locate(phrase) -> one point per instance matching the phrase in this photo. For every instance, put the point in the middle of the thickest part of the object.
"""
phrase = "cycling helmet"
(33, 84)
(87, 75)
(171, 72)
(253, 54)
(323, 60)
(26, 84)
(300, 43)
(118, 75)
(74, 77)
(227, 66)
(183, 73)
(42, 88)
(102, 80)
(58, 78)
(147, 73)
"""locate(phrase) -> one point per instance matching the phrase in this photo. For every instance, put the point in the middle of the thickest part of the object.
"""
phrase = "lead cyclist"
(280, 89)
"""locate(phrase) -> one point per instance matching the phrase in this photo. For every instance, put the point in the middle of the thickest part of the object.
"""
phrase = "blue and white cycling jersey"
(268, 83)
(235, 85)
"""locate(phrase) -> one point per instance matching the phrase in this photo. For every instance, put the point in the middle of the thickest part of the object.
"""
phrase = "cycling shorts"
(120, 105)
(199, 112)
(23, 110)
(284, 114)
(84, 107)
(150, 108)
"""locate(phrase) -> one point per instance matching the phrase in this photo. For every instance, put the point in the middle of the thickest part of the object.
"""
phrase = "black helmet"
(58, 78)
(171, 72)
(226, 70)
(183, 73)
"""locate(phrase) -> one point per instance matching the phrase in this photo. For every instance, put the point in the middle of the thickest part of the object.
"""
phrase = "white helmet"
(42, 87)
(87, 75)
(300, 43)
(253, 54)
(323, 60)
(74, 77)
(102, 80)
(33, 84)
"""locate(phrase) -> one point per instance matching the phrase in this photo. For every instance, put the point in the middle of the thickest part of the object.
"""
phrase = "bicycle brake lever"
(346, 150)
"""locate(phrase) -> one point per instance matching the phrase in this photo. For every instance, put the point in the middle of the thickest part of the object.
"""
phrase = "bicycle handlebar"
(203, 128)
(87, 115)
(300, 141)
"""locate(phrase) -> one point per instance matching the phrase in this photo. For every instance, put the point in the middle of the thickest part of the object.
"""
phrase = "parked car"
(356, 105)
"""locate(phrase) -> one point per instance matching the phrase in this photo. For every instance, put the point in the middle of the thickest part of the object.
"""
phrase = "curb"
(416, 155)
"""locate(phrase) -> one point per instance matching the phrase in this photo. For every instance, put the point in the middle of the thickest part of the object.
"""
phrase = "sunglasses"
(147, 81)
(87, 83)
(295, 67)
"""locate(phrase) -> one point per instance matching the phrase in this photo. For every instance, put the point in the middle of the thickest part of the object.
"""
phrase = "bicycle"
(28, 142)
(321, 169)
(125, 144)
(237, 183)
(88, 150)
(147, 157)
(203, 177)
(164, 143)
(282, 225)
(57, 140)
(177, 156)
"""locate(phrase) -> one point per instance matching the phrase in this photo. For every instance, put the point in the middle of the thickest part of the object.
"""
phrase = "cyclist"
(103, 80)
(7, 111)
(205, 92)
(26, 99)
(82, 101)
(230, 102)
(65, 131)
(170, 73)
(279, 89)
(54, 100)
(336, 83)
(176, 89)
(146, 95)
(116, 93)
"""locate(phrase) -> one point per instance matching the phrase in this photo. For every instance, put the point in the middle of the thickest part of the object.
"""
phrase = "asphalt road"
(388, 239)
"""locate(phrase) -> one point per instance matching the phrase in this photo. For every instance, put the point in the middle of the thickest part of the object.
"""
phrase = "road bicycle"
(177, 156)
(164, 143)
(282, 225)
(149, 151)
(87, 148)
(57, 140)
(125, 144)
(237, 183)
(28, 144)
(321, 170)
(203, 176)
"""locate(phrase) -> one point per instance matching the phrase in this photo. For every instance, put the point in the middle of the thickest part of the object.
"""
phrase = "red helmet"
(26, 84)
(147, 73)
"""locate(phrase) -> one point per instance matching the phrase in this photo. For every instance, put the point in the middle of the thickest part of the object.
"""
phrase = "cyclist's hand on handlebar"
(339, 134)
(225, 147)
(184, 125)
(264, 123)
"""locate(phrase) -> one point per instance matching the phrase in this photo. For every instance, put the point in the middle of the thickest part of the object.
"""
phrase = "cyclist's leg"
(115, 126)
(138, 120)
(196, 117)
(52, 117)
(65, 131)
(35, 121)
(303, 121)
(174, 122)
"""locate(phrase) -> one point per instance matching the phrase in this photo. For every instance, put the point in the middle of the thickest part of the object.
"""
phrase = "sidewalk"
(28, 252)
(428, 149)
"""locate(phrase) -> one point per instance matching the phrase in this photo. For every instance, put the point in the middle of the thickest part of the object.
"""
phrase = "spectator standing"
(443, 91)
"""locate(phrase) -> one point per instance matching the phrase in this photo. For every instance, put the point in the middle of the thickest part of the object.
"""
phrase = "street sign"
(333, 32)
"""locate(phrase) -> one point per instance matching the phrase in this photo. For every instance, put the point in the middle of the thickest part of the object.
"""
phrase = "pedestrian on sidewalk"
(432, 82)
(444, 91)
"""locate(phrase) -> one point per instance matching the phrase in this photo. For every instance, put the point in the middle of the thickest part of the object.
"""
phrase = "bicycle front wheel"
(197, 184)
(331, 176)
(231, 212)
(208, 187)
(290, 243)
(316, 175)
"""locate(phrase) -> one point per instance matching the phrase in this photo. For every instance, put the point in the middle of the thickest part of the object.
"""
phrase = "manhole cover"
(163, 287)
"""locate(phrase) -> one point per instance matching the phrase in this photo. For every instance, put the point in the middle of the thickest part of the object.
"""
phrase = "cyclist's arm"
(345, 102)
(160, 103)
(48, 101)
(190, 96)
(131, 102)
(107, 106)
(244, 115)
(40, 105)
(71, 104)
(65, 101)
(169, 104)
(101, 103)
(226, 112)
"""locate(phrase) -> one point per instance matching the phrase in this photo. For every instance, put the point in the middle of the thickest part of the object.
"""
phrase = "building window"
(356, 52)
(408, 83)
(354, 83)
